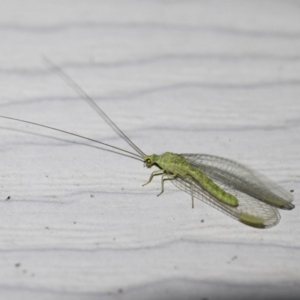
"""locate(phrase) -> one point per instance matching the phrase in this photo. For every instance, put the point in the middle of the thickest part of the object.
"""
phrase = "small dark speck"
(17, 265)
(24, 271)
(232, 259)
(292, 191)
(47, 176)
(8, 198)
(120, 291)
(74, 222)
(32, 275)
(92, 196)
(204, 298)
(46, 227)
(202, 221)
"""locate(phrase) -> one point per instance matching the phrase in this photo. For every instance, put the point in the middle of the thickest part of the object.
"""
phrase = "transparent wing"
(258, 196)
(250, 211)
(236, 176)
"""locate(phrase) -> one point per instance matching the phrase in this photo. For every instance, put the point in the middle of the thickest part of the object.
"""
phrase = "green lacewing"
(231, 187)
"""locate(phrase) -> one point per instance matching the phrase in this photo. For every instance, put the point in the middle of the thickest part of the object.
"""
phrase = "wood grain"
(184, 76)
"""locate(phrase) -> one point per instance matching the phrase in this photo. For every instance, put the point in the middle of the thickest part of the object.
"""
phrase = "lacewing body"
(226, 185)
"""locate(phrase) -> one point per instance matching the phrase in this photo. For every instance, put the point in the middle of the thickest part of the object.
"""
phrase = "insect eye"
(148, 161)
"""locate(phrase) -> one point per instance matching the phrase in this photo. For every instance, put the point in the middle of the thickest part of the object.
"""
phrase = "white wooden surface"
(218, 77)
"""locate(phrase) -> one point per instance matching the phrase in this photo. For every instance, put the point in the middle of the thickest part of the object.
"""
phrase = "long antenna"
(80, 92)
(74, 134)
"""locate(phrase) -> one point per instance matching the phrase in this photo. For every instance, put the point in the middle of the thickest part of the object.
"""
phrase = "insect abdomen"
(213, 189)
(177, 165)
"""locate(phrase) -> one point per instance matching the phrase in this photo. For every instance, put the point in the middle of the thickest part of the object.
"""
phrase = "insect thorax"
(170, 162)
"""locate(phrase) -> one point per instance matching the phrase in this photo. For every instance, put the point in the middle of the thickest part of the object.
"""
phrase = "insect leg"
(192, 193)
(163, 178)
(154, 173)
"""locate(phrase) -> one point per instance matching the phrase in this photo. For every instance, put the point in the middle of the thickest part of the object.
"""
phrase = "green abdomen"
(176, 164)
(209, 186)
